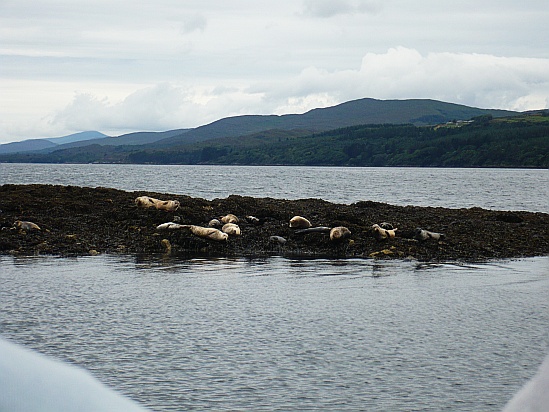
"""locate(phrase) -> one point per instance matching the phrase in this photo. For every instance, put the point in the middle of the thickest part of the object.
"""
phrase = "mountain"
(26, 146)
(208, 143)
(82, 139)
(47, 143)
(77, 137)
(419, 112)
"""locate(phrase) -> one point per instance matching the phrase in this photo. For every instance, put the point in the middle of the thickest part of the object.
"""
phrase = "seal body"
(230, 218)
(278, 239)
(423, 235)
(252, 219)
(170, 226)
(148, 202)
(25, 225)
(381, 233)
(318, 229)
(208, 232)
(339, 233)
(299, 222)
(214, 223)
(231, 229)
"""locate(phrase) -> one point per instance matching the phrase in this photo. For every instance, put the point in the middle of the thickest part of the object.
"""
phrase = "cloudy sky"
(120, 66)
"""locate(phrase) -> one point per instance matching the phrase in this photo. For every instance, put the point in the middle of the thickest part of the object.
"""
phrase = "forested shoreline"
(518, 142)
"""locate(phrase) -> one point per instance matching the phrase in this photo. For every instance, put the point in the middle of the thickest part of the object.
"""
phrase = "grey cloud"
(330, 8)
(193, 23)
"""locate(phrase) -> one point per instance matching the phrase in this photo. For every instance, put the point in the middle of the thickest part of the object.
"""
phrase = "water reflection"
(277, 333)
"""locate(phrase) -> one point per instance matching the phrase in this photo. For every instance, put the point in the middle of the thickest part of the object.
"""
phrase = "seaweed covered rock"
(77, 221)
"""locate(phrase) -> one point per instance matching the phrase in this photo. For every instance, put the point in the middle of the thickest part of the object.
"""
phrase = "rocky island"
(80, 221)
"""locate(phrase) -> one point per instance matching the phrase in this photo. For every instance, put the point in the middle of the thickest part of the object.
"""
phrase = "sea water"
(290, 334)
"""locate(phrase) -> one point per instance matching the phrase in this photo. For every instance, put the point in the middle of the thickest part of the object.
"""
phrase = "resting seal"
(230, 218)
(381, 233)
(207, 232)
(203, 232)
(148, 202)
(278, 239)
(299, 222)
(170, 226)
(422, 235)
(318, 229)
(339, 233)
(214, 223)
(231, 229)
(24, 225)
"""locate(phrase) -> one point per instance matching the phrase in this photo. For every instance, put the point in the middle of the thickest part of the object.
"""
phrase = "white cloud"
(209, 59)
(472, 79)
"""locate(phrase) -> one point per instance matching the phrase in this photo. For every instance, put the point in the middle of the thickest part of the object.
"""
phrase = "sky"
(116, 67)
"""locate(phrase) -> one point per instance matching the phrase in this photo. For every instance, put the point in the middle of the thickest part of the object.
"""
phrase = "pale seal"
(339, 233)
(170, 226)
(422, 235)
(231, 229)
(214, 223)
(25, 225)
(148, 202)
(381, 233)
(203, 232)
(230, 218)
(208, 233)
(299, 222)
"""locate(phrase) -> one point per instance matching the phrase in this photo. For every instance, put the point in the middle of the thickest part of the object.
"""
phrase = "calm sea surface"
(285, 334)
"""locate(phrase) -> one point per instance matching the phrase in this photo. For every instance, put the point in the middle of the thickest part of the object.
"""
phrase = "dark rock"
(81, 221)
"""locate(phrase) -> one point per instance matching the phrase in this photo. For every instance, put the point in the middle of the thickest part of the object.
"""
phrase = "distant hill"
(419, 112)
(77, 137)
(82, 139)
(47, 143)
(26, 146)
(263, 139)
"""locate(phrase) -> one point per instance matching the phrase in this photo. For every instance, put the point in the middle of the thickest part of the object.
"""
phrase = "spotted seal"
(423, 235)
(381, 233)
(299, 222)
(230, 218)
(231, 229)
(25, 225)
(339, 233)
(148, 202)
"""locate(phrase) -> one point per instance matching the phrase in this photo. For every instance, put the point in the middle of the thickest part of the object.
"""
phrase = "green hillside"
(485, 142)
(489, 140)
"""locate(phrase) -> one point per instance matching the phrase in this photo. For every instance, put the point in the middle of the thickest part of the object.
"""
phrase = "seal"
(318, 229)
(170, 226)
(25, 225)
(203, 232)
(381, 233)
(148, 202)
(252, 219)
(278, 239)
(214, 223)
(230, 218)
(207, 232)
(423, 235)
(299, 222)
(386, 226)
(339, 233)
(231, 229)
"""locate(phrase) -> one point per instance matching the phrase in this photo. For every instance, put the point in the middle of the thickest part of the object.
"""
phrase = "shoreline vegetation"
(363, 133)
(82, 221)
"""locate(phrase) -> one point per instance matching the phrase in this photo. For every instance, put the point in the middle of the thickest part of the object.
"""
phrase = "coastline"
(81, 221)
